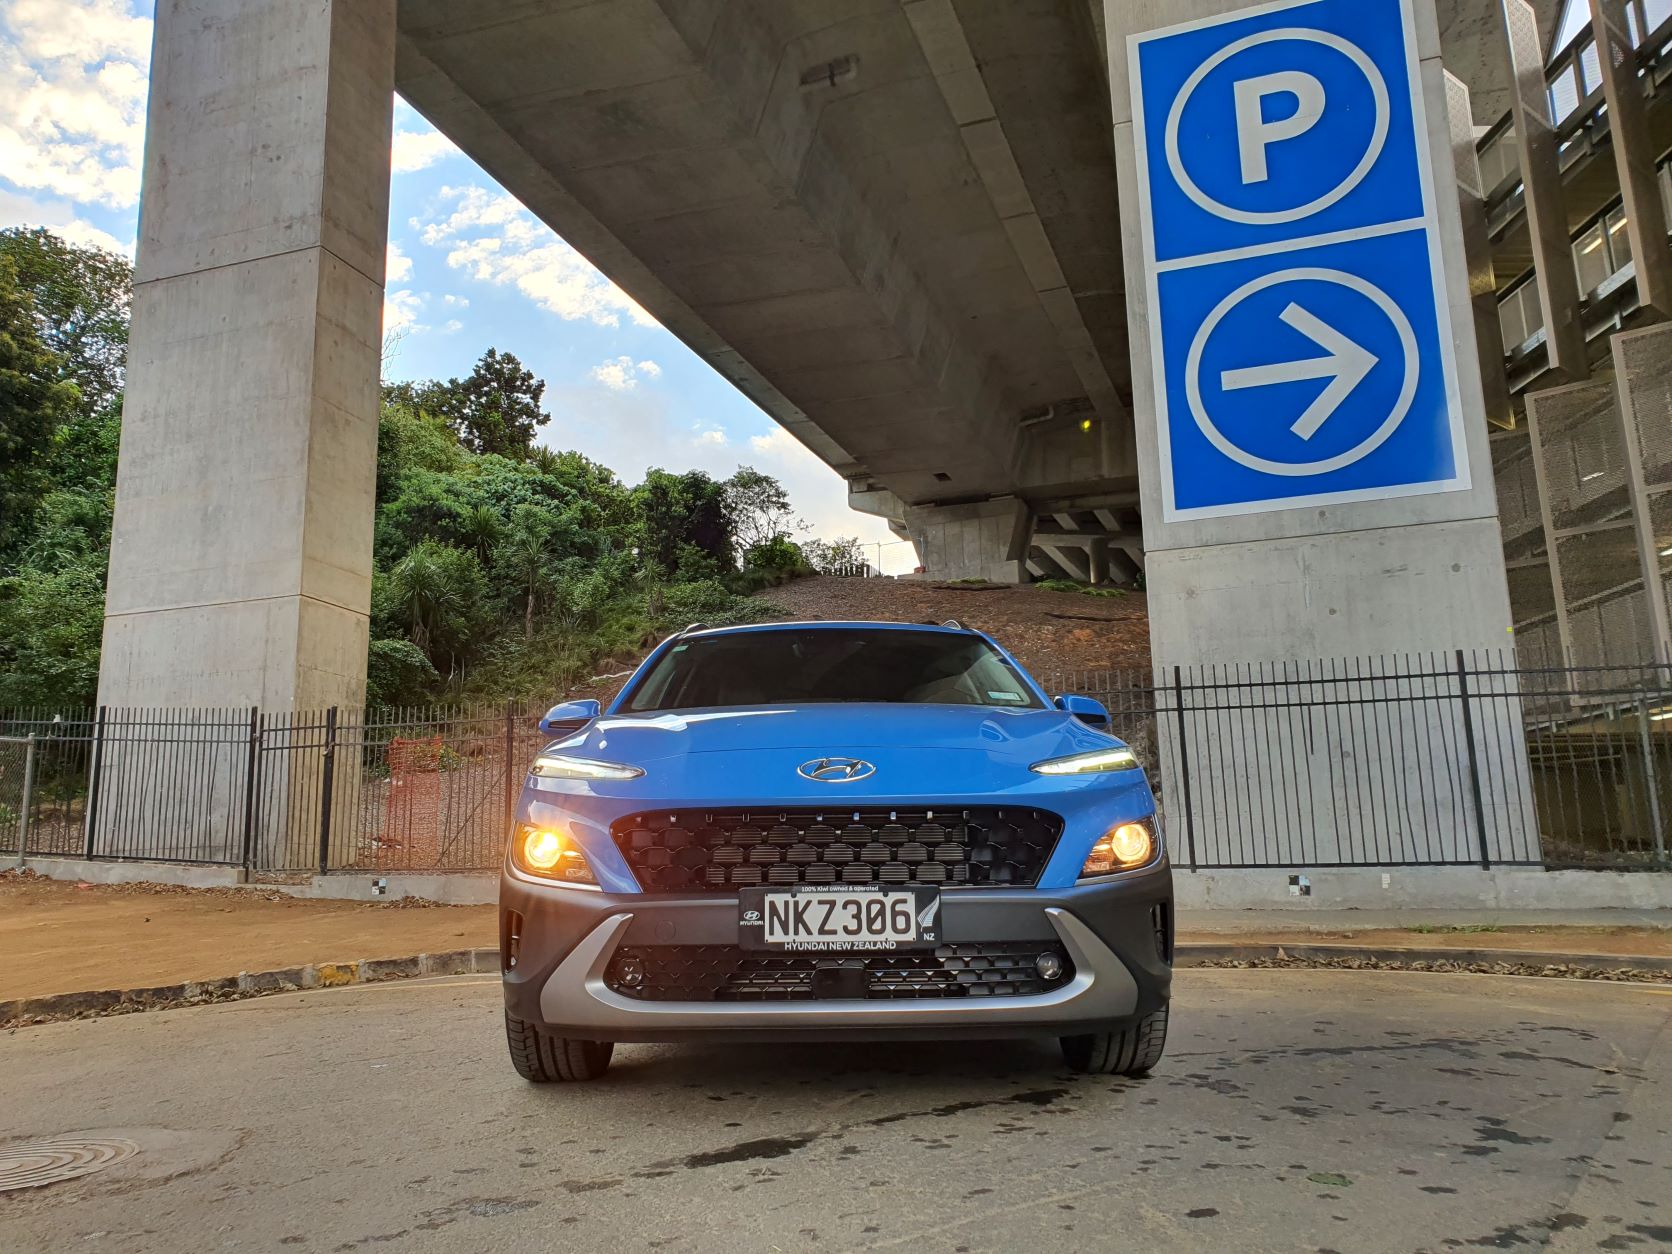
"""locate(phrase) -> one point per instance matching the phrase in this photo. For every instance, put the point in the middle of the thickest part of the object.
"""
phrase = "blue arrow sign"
(1300, 332)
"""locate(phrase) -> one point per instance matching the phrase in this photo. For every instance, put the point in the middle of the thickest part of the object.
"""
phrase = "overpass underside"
(897, 225)
(891, 223)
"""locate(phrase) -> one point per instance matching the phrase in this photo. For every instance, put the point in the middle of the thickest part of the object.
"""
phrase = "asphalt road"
(1295, 1111)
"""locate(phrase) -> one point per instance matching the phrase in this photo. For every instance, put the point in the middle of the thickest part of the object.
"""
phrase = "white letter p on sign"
(1255, 134)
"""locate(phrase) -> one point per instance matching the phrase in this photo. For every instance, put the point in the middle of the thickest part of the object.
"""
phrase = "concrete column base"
(987, 540)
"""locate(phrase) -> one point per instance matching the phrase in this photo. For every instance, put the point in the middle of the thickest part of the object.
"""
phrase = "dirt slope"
(1049, 632)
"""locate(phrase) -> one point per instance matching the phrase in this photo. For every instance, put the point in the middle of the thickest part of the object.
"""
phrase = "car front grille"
(722, 851)
(728, 973)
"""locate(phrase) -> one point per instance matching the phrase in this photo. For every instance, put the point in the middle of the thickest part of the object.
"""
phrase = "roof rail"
(954, 624)
(689, 628)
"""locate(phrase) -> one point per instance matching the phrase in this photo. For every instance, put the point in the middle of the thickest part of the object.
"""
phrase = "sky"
(469, 268)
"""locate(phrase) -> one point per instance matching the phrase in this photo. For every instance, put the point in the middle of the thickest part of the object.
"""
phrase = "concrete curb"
(1635, 967)
(30, 1010)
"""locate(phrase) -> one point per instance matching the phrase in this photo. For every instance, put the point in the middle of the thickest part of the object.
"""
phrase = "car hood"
(1018, 737)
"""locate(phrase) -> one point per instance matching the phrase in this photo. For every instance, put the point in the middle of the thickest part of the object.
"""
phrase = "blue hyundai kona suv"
(849, 831)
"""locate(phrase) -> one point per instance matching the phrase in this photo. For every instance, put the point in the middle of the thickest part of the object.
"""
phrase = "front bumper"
(567, 937)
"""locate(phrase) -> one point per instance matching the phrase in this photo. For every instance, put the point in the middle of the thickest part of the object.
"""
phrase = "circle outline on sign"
(1249, 217)
(1396, 416)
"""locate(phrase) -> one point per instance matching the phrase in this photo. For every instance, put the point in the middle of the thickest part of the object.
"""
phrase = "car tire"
(543, 1059)
(1133, 1051)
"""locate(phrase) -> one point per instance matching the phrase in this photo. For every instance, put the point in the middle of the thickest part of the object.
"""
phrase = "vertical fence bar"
(250, 765)
(28, 798)
(95, 784)
(327, 786)
(1651, 780)
(510, 766)
(1184, 765)
(1474, 764)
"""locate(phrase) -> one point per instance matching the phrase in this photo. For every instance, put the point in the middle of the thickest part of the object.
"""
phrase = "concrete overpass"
(895, 224)
(888, 222)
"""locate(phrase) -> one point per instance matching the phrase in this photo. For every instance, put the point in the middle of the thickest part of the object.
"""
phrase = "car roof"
(696, 630)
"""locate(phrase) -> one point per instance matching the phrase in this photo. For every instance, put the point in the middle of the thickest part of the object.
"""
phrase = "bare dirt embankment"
(1049, 632)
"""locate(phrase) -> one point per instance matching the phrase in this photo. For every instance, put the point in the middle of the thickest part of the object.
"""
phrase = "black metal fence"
(278, 794)
(1420, 760)
(1435, 760)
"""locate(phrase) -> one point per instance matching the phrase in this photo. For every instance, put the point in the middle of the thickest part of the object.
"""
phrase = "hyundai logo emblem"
(836, 770)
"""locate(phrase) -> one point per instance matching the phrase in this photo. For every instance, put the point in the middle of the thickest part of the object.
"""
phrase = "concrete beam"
(959, 75)
(241, 553)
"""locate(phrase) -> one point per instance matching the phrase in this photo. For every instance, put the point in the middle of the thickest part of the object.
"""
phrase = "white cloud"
(492, 238)
(400, 312)
(397, 266)
(455, 302)
(621, 374)
(61, 219)
(72, 98)
(453, 327)
(419, 150)
(713, 437)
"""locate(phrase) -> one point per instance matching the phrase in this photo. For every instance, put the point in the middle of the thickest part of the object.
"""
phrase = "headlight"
(561, 766)
(1123, 848)
(1089, 763)
(551, 854)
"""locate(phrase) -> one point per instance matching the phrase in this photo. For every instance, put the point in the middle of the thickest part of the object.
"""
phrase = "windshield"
(789, 667)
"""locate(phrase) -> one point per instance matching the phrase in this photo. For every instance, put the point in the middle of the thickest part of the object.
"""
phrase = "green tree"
(481, 528)
(83, 297)
(439, 596)
(759, 507)
(50, 625)
(526, 553)
(835, 557)
(35, 401)
(494, 410)
(684, 525)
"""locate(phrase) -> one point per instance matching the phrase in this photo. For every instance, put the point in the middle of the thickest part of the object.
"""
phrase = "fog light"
(1121, 848)
(629, 972)
(1049, 966)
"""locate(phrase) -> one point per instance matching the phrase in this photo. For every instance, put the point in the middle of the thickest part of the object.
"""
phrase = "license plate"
(837, 918)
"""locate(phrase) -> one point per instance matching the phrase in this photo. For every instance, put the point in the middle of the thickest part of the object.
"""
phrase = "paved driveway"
(1295, 1111)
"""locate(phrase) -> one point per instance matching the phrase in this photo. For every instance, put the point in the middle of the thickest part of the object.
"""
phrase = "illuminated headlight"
(560, 766)
(1089, 763)
(551, 854)
(1122, 848)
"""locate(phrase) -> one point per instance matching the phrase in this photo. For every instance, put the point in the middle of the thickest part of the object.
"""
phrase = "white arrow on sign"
(1346, 366)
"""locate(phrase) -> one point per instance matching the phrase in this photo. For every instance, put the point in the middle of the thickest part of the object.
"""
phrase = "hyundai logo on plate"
(837, 770)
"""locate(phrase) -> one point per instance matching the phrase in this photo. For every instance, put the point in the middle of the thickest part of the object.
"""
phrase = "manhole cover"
(34, 1163)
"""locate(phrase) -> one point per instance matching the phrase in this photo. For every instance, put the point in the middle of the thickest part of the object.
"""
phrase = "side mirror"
(569, 717)
(1092, 713)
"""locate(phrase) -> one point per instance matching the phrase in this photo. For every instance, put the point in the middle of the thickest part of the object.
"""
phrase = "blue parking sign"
(1300, 331)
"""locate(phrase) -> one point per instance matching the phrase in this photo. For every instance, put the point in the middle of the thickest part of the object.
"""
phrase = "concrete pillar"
(985, 540)
(1099, 555)
(1314, 603)
(241, 556)
(1396, 575)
